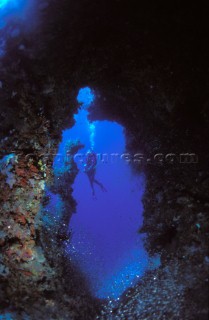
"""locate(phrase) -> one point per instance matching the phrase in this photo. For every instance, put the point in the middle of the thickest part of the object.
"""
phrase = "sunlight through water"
(13, 10)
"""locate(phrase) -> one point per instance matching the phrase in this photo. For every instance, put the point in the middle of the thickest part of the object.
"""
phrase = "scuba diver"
(90, 170)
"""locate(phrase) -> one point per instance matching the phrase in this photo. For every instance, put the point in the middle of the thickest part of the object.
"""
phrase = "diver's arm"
(89, 168)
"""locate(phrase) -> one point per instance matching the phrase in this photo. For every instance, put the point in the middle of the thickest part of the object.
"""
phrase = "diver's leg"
(92, 187)
(91, 180)
(100, 184)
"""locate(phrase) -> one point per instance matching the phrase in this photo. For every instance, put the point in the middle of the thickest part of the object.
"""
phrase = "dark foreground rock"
(148, 66)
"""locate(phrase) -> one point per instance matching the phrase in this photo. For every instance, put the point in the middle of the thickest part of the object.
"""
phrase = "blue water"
(5, 3)
(10, 9)
(105, 244)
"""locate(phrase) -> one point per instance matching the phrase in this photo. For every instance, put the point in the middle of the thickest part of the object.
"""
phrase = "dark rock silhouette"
(148, 64)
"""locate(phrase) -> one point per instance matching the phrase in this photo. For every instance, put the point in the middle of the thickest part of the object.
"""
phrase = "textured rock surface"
(57, 222)
(148, 66)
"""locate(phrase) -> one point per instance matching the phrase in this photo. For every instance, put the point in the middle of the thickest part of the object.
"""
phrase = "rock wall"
(176, 224)
(35, 281)
(37, 278)
(148, 68)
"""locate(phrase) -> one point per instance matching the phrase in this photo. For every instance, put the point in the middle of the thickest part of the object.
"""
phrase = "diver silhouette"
(90, 170)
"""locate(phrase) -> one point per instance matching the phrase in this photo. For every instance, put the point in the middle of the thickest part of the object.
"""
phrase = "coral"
(155, 84)
(6, 168)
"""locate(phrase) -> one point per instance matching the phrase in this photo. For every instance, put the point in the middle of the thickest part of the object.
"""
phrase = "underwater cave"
(105, 243)
(103, 167)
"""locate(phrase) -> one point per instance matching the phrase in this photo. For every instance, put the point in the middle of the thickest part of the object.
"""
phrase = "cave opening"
(149, 63)
(104, 240)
